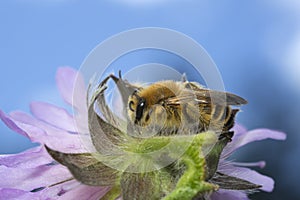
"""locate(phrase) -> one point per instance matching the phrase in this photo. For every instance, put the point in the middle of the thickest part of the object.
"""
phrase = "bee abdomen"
(222, 117)
(229, 121)
(219, 113)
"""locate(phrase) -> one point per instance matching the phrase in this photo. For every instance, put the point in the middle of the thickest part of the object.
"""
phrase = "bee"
(179, 107)
(182, 107)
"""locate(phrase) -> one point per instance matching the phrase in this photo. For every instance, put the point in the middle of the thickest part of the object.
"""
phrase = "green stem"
(192, 182)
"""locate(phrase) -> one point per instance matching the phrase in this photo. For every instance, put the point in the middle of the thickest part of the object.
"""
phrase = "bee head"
(143, 110)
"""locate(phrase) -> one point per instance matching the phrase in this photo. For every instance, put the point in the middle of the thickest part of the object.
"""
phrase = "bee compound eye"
(130, 106)
(140, 109)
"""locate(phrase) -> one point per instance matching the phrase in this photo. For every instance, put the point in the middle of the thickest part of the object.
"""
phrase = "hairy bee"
(191, 175)
(173, 106)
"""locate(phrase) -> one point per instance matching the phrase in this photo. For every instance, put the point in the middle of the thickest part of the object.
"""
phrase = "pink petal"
(28, 159)
(252, 176)
(53, 115)
(228, 195)
(39, 131)
(48, 193)
(15, 194)
(32, 178)
(85, 192)
(33, 133)
(54, 137)
(68, 80)
(238, 129)
(10, 124)
(56, 191)
(240, 140)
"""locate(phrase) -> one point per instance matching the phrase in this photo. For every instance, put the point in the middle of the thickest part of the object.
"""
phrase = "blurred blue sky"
(255, 44)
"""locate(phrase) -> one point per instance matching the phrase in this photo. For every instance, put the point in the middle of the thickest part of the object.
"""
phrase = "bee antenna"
(120, 75)
(134, 94)
(183, 77)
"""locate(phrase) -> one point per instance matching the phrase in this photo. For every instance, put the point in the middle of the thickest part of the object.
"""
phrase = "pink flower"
(242, 137)
(33, 174)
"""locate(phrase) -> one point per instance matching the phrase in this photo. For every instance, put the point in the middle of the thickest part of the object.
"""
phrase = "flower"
(242, 137)
(33, 174)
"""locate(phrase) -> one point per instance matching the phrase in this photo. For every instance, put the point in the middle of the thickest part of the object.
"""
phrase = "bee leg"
(213, 157)
(183, 78)
(226, 135)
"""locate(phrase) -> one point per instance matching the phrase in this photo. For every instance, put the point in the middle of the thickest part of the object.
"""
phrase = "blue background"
(255, 44)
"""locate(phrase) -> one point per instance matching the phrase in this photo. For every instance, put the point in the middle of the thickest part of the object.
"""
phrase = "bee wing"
(204, 96)
(218, 97)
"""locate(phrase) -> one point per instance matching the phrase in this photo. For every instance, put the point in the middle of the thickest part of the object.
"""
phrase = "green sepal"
(86, 168)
